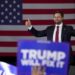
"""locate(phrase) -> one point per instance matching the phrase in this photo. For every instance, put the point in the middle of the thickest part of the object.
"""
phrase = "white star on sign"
(14, 17)
(2, 21)
(10, 21)
(18, 13)
(2, 13)
(6, 17)
(10, 5)
(2, 5)
(14, 2)
(6, 1)
(18, 6)
(18, 21)
(10, 13)
(14, 9)
(6, 9)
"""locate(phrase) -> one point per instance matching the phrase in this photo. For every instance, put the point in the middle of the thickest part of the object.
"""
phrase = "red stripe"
(49, 22)
(48, 1)
(8, 44)
(73, 53)
(47, 11)
(73, 42)
(14, 44)
(7, 54)
(15, 33)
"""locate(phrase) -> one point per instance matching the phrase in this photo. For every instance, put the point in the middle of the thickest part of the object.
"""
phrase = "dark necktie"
(57, 34)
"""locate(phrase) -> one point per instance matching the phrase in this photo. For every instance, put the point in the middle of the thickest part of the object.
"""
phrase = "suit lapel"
(63, 32)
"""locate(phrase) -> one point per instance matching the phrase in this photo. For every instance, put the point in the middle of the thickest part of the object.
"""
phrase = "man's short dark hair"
(61, 13)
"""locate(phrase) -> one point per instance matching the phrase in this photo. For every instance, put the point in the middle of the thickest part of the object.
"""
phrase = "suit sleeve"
(72, 31)
(38, 33)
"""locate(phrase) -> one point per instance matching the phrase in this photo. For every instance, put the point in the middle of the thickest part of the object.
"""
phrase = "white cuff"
(30, 27)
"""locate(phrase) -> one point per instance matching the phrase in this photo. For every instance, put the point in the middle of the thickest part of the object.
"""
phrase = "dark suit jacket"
(67, 32)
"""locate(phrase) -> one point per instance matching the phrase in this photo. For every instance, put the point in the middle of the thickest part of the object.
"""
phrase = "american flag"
(13, 14)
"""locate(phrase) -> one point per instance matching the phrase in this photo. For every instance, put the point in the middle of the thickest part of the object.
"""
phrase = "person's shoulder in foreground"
(7, 69)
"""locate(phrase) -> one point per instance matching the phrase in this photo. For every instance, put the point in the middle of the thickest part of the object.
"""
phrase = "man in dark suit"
(64, 32)
(59, 32)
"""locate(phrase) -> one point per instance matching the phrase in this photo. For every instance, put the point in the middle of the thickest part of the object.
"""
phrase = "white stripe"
(24, 28)
(73, 48)
(46, 17)
(72, 38)
(14, 49)
(8, 49)
(17, 38)
(49, 6)
(12, 27)
(72, 70)
(20, 27)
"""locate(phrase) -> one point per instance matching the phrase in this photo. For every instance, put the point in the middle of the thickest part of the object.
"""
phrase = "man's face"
(58, 18)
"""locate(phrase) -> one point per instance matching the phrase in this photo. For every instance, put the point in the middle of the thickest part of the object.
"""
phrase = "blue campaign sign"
(42, 58)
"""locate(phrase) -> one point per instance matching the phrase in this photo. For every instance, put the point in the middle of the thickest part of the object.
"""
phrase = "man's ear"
(62, 18)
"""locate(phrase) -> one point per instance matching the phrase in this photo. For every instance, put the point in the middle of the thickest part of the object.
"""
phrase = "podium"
(36, 57)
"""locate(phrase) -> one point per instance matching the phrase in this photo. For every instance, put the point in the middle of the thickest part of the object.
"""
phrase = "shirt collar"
(59, 24)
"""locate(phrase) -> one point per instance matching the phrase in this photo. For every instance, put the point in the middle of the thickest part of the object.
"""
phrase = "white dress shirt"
(30, 27)
(60, 32)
